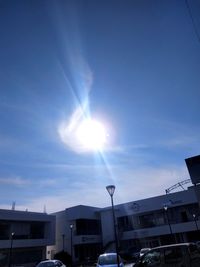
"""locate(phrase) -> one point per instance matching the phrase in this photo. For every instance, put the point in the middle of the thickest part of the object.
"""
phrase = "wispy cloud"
(83, 79)
(131, 185)
(176, 134)
(14, 181)
(67, 130)
(149, 181)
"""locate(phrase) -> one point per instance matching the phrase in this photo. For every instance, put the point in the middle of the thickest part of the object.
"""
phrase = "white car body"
(109, 260)
(143, 251)
(51, 263)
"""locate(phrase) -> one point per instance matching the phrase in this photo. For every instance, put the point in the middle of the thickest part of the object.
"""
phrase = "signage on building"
(193, 165)
(172, 202)
(135, 207)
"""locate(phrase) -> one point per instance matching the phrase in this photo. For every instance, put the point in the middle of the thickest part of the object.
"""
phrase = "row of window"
(173, 215)
(21, 230)
(88, 227)
(132, 222)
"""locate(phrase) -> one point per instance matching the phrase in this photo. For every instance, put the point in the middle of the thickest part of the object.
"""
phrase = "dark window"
(174, 255)
(147, 220)
(125, 223)
(4, 230)
(37, 230)
(88, 227)
(184, 217)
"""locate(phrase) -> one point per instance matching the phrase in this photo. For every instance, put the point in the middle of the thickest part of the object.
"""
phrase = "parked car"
(109, 260)
(143, 251)
(183, 254)
(198, 244)
(131, 254)
(50, 263)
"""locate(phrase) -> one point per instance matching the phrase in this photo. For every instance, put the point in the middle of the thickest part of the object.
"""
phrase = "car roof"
(175, 245)
(109, 253)
(49, 261)
(144, 249)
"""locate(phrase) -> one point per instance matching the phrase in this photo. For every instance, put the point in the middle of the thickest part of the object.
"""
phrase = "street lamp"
(111, 190)
(166, 212)
(71, 228)
(11, 246)
(195, 220)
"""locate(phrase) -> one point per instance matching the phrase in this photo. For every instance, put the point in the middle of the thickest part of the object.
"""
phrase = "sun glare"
(91, 134)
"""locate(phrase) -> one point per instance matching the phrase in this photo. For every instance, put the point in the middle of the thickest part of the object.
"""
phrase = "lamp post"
(11, 246)
(111, 190)
(71, 231)
(166, 212)
(195, 221)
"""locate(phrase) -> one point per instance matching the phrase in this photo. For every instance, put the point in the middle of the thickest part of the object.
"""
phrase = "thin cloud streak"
(131, 185)
(15, 181)
(149, 181)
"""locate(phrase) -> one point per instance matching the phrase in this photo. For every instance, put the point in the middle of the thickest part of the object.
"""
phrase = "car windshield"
(108, 259)
(144, 250)
(46, 264)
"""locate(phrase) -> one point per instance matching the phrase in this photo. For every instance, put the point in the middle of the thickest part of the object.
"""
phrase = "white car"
(109, 260)
(51, 263)
(143, 251)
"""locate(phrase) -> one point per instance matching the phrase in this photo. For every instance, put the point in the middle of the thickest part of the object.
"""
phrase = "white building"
(78, 232)
(141, 223)
(24, 236)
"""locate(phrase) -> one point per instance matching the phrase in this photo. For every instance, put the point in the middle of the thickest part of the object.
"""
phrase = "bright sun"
(91, 134)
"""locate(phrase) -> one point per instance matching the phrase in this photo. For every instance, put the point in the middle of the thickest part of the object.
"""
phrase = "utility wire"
(192, 19)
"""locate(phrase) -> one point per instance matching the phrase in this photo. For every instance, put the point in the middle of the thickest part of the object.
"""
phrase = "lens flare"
(91, 134)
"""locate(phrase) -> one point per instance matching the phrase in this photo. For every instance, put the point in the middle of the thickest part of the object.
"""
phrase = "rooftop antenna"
(180, 184)
(44, 210)
(13, 205)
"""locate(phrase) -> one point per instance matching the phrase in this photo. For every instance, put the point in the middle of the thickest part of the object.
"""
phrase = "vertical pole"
(10, 251)
(195, 220)
(71, 229)
(115, 231)
(170, 228)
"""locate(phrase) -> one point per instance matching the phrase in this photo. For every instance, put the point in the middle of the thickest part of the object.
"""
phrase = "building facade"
(78, 232)
(24, 237)
(85, 232)
(156, 221)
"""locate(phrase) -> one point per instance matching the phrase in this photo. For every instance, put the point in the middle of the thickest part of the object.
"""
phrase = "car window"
(194, 256)
(152, 258)
(108, 259)
(193, 250)
(46, 264)
(174, 255)
(144, 250)
(58, 264)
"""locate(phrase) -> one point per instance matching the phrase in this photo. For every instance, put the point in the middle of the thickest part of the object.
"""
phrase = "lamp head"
(110, 189)
(165, 207)
(71, 226)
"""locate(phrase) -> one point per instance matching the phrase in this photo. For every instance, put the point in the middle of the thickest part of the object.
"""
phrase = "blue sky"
(133, 65)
